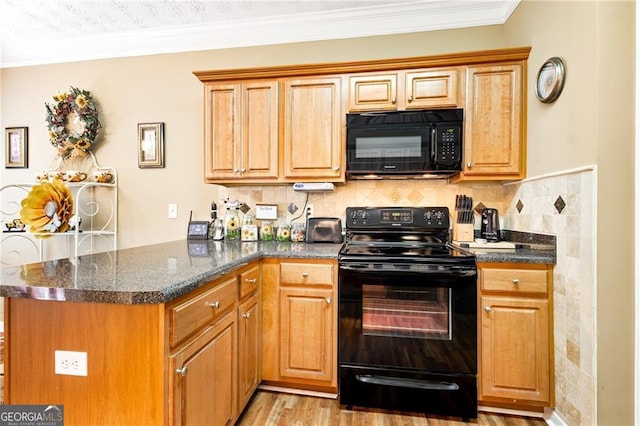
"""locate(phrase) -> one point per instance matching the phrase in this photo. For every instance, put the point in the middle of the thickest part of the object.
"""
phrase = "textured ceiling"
(31, 31)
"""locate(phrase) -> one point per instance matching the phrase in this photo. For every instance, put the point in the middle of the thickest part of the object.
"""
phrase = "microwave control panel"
(448, 144)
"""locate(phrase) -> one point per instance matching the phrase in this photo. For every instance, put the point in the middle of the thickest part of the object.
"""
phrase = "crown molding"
(397, 18)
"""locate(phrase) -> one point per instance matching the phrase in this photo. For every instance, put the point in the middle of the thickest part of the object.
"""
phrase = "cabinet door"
(203, 377)
(373, 92)
(313, 129)
(432, 88)
(494, 123)
(307, 334)
(241, 131)
(222, 131)
(249, 360)
(515, 348)
(259, 130)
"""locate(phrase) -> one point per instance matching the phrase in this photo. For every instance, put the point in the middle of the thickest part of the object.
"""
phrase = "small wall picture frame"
(150, 145)
(16, 154)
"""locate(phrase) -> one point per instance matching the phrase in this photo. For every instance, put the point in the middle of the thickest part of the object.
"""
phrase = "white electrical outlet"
(71, 363)
(309, 211)
(173, 211)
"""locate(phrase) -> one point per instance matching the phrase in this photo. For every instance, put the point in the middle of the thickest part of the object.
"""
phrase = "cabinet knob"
(469, 164)
(182, 371)
(393, 101)
(251, 280)
(487, 308)
(515, 281)
(246, 315)
(410, 99)
(214, 305)
(336, 168)
(328, 300)
(305, 275)
(242, 170)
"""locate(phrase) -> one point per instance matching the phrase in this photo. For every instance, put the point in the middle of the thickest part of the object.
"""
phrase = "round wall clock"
(550, 80)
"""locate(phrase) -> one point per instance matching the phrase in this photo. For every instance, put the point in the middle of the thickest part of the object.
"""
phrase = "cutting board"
(479, 245)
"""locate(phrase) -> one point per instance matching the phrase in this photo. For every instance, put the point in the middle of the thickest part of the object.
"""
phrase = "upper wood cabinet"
(286, 124)
(313, 145)
(241, 130)
(426, 88)
(494, 131)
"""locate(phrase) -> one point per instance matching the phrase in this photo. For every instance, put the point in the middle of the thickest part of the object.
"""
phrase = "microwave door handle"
(434, 140)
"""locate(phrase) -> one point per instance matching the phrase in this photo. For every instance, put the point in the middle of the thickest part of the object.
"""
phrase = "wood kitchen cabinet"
(312, 101)
(203, 383)
(300, 324)
(494, 130)
(214, 340)
(313, 134)
(249, 335)
(241, 130)
(414, 89)
(516, 335)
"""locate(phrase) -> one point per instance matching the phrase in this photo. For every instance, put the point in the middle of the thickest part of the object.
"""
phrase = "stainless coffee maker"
(490, 225)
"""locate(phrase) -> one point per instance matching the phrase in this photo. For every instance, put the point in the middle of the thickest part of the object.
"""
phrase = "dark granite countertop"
(159, 273)
(155, 273)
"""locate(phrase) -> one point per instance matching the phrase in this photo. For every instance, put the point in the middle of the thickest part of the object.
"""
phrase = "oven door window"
(419, 313)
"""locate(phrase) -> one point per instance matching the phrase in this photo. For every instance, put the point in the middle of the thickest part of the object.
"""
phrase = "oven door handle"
(407, 383)
(450, 270)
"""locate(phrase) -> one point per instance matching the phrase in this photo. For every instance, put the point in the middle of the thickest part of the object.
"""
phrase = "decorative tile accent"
(519, 206)
(559, 204)
(478, 209)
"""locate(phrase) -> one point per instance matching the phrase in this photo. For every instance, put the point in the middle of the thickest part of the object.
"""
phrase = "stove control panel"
(397, 217)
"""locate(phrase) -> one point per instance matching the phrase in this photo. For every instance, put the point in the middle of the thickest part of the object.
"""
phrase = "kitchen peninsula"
(133, 313)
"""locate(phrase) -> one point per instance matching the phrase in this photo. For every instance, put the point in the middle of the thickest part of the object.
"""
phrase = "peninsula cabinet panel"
(124, 344)
(241, 131)
(494, 133)
(203, 377)
(416, 89)
(313, 134)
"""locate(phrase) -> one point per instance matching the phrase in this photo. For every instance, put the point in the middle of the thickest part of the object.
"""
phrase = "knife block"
(463, 232)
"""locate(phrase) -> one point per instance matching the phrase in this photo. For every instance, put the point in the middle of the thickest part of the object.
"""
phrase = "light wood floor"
(280, 409)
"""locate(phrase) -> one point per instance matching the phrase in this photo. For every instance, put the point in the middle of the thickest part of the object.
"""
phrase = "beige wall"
(592, 123)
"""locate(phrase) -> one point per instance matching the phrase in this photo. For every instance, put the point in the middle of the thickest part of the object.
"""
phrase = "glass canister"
(284, 230)
(232, 225)
(266, 231)
(298, 231)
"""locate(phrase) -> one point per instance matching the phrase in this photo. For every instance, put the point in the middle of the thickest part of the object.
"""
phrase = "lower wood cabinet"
(202, 377)
(214, 356)
(300, 324)
(249, 349)
(516, 335)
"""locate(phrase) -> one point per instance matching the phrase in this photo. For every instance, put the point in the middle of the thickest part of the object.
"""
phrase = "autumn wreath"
(73, 122)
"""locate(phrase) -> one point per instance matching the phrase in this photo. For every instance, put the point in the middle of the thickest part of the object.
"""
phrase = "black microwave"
(400, 143)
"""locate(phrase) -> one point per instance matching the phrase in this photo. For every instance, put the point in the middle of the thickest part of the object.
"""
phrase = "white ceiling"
(53, 31)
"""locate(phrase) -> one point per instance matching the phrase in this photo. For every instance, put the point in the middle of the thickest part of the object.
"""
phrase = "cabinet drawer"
(204, 308)
(516, 280)
(306, 273)
(249, 281)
